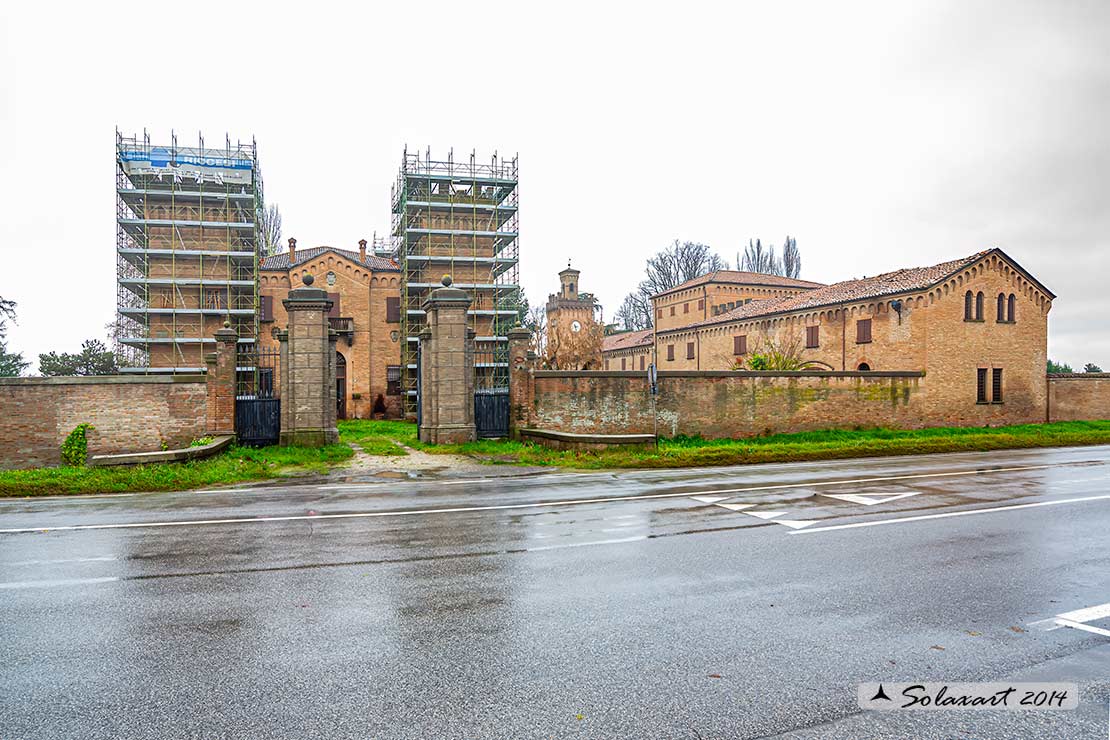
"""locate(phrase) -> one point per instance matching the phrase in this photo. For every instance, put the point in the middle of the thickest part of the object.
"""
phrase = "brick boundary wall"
(128, 413)
(1078, 396)
(718, 404)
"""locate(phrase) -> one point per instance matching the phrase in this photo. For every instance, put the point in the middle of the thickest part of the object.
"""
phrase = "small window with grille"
(393, 380)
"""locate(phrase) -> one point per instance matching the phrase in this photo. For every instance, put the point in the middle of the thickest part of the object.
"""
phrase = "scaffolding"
(187, 250)
(458, 219)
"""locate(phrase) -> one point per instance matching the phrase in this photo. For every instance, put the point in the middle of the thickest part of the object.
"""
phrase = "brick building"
(365, 291)
(978, 326)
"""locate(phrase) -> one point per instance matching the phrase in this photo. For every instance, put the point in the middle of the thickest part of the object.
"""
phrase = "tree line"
(93, 359)
(683, 261)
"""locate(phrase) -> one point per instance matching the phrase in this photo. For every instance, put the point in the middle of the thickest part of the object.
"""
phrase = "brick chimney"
(362, 250)
(292, 251)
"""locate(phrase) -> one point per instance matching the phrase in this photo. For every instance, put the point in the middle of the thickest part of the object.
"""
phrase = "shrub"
(75, 449)
(201, 441)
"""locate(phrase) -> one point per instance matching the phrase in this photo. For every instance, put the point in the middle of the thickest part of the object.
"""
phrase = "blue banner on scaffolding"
(159, 161)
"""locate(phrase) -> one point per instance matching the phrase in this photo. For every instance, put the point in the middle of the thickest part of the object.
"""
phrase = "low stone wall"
(716, 403)
(1078, 396)
(128, 413)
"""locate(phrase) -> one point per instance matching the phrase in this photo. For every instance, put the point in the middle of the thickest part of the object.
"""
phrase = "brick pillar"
(520, 380)
(308, 370)
(446, 369)
(221, 382)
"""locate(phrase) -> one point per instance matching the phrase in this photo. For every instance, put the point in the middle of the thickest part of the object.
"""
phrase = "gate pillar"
(446, 369)
(221, 382)
(308, 369)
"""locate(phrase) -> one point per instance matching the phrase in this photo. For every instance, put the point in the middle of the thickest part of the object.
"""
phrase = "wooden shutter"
(740, 344)
(863, 331)
(670, 352)
(641, 362)
(686, 307)
(624, 360)
(334, 312)
(812, 336)
(689, 350)
(701, 305)
(393, 309)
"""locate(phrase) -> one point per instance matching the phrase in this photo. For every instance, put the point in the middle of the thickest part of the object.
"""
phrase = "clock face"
(575, 326)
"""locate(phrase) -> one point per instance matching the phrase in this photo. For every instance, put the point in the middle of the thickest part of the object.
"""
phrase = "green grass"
(379, 437)
(696, 451)
(236, 465)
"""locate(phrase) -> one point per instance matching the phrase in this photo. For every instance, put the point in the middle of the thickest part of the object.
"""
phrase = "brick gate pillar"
(308, 370)
(446, 369)
(221, 382)
(520, 380)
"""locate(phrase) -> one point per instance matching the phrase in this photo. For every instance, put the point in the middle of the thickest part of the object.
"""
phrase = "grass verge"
(236, 465)
(696, 451)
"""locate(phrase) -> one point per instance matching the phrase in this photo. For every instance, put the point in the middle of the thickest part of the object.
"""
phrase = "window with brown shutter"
(701, 305)
(641, 362)
(266, 307)
(812, 337)
(740, 344)
(981, 385)
(686, 307)
(689, 350)
(334, 312)
(658, 313)
(672, 310)
(393, 310)
(996, 385)
(670, 353)
(623, 362)
(863, 331)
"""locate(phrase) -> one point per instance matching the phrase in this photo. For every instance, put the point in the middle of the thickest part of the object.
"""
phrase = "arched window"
(967, 306)
(979, 306)
(1001, 307)
(864, 367)
(1011, 314)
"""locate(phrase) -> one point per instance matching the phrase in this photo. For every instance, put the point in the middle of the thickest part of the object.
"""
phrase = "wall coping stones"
(105, 380)
(161, 456)
(731, 374)
(1078, 376)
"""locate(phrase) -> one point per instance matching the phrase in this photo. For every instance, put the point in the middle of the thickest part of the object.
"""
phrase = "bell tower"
(569, 280)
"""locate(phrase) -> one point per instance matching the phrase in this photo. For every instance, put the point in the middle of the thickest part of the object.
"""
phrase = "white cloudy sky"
(880, 135)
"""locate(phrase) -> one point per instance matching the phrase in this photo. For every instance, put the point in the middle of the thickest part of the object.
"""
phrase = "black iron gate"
(258, 396)
(491, 390)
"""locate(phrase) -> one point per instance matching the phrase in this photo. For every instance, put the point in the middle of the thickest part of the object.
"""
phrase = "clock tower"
(573, 320)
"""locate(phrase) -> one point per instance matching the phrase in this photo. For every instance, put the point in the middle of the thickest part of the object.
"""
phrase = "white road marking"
(945, 515)
(736, 507)
(61, 561)
(1081, 626)
(542, 504)
(587, 544)
(796, 523)
(869, 499)
(1076, 618)
(766, 514)
(60, 582)
(709, 499)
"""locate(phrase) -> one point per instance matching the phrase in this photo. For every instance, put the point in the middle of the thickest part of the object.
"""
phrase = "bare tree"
(536, 322)
(668, 268)
(269, 228)
(758, 258)
(791, 258)
(7, 313)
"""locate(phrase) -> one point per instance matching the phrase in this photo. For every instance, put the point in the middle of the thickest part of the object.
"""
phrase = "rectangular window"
(641, 362)
(689, 350)
(658, 313)
(981, 385)
(670, 353)
(334, 312)
(701, 305)
(623, 360)
(393, 310)
(812, 337)
(863, 331)
(606, 363)
(672, 310)
(686, 307)
(740, 344)
(996, 385)
(393, 380)
(266, 307)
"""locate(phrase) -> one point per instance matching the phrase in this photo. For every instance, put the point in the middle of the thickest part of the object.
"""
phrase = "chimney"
(362, 250)
(292, 251)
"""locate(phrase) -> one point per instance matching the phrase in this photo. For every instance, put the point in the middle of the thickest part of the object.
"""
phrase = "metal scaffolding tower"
(459, 219)
(187, 250)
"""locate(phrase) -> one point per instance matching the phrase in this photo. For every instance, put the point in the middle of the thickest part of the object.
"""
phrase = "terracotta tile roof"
(626, 340)
(740, 277)
(280, 261)
(890, 283)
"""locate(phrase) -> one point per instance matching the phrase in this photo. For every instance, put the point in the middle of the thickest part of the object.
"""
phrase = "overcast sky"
(879, 135)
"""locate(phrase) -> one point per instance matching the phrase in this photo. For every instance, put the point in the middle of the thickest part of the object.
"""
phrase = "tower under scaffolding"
(187, 250)
(458, 219)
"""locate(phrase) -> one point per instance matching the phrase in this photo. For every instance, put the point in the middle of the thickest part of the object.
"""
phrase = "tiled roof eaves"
(903, 291)
(769, 281)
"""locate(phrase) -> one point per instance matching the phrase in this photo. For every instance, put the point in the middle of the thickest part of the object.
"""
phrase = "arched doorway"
(340, 386)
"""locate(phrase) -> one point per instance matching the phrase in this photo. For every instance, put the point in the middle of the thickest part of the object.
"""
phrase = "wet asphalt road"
(529, 608)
